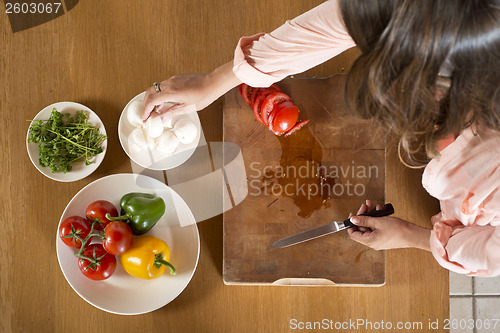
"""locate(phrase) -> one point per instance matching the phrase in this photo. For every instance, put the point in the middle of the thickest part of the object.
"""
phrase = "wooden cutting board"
(317, 175)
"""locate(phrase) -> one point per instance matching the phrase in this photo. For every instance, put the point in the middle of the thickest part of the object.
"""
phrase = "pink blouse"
(465, 178)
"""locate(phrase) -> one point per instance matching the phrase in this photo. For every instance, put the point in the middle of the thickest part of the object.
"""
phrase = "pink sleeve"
(302, 43)
(471, 250)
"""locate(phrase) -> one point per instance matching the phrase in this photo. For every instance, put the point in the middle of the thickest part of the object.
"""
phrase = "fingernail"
(355, 220)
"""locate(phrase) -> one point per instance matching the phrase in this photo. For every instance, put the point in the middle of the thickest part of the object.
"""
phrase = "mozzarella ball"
(134, 113)
(168, 120)
(166, 116)
(139, 137)
(185, 130)
(167, 143)
(154, 125)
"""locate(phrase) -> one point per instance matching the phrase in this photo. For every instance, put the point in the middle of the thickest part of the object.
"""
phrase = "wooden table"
(101, 54)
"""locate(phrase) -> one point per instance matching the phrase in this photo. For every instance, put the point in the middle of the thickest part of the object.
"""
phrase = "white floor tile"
(487, 314)
(460, 309)
(460, 284)
(487, 286)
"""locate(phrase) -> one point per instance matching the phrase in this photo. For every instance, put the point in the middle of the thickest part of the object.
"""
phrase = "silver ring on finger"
(157, 86)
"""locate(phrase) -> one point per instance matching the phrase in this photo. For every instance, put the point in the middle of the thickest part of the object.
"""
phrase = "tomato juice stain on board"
(304, 181)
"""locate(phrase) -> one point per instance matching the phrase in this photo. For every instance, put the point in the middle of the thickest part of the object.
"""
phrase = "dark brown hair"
(427, 69)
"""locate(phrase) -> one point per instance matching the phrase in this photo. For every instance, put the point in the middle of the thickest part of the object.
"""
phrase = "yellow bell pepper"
(147, 258)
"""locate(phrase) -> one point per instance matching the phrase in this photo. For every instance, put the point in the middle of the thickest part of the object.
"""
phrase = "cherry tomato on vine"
(95, 263)
(73, 228)
(98, 210)
(117, 237)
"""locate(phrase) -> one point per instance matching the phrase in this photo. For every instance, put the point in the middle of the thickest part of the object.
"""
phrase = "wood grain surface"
(101, 54)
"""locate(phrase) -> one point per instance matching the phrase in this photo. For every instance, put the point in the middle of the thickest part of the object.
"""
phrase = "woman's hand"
(190, 92)
(383, 233)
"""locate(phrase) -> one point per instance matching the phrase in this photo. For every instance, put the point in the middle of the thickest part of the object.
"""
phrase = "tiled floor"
(474, 304)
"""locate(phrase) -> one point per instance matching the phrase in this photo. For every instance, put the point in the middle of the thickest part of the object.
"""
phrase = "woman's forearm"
(223, 78)
(419, 237)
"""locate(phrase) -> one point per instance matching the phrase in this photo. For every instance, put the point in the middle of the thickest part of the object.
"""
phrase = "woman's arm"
(260, 60)
(299, 44)
(191, 92)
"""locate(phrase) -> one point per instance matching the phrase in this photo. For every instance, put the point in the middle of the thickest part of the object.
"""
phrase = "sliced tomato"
(270, 102)
(257, 105)
(257, 91)
(246, 92)
(240, 89)
(274, 86)
(283, 118)
(275, 111)
(297, 127)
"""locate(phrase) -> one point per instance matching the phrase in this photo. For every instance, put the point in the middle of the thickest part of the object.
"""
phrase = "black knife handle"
(388, 209)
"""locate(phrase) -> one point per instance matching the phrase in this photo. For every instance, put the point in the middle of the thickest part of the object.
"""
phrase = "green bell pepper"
(141, 211)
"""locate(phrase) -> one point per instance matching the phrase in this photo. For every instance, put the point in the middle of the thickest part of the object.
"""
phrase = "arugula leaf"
(64, 139)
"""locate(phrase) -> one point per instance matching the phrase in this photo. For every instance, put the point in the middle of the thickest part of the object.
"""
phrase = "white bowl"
(123, 293)
(151, 158)
(78, 169)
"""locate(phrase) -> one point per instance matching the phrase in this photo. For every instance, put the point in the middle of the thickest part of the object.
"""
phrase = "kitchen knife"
(329, 228)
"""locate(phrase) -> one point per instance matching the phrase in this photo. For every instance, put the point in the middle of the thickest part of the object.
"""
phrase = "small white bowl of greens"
(66, 141)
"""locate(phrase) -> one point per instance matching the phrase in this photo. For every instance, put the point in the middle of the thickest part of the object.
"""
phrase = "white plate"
(79, 170)
(123, 293)
(151, 158)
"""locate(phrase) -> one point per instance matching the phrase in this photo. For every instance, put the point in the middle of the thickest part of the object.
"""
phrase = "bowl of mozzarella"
(161, 142)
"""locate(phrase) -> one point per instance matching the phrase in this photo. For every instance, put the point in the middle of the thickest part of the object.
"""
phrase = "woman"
(429, 71)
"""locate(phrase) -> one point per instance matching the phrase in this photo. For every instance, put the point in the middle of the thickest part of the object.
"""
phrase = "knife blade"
(328, 228)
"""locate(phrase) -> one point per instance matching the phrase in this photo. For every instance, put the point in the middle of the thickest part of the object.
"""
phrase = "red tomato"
(98, 210)
(117, 238)
(270, 102)
(101, 264)
(245, 92)
(297, 127)
(240, 89)
(256, 92)
(274, 112)
(284, 118)
(257, 104)
(274, 86)
(72, 228)
(272, 108)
